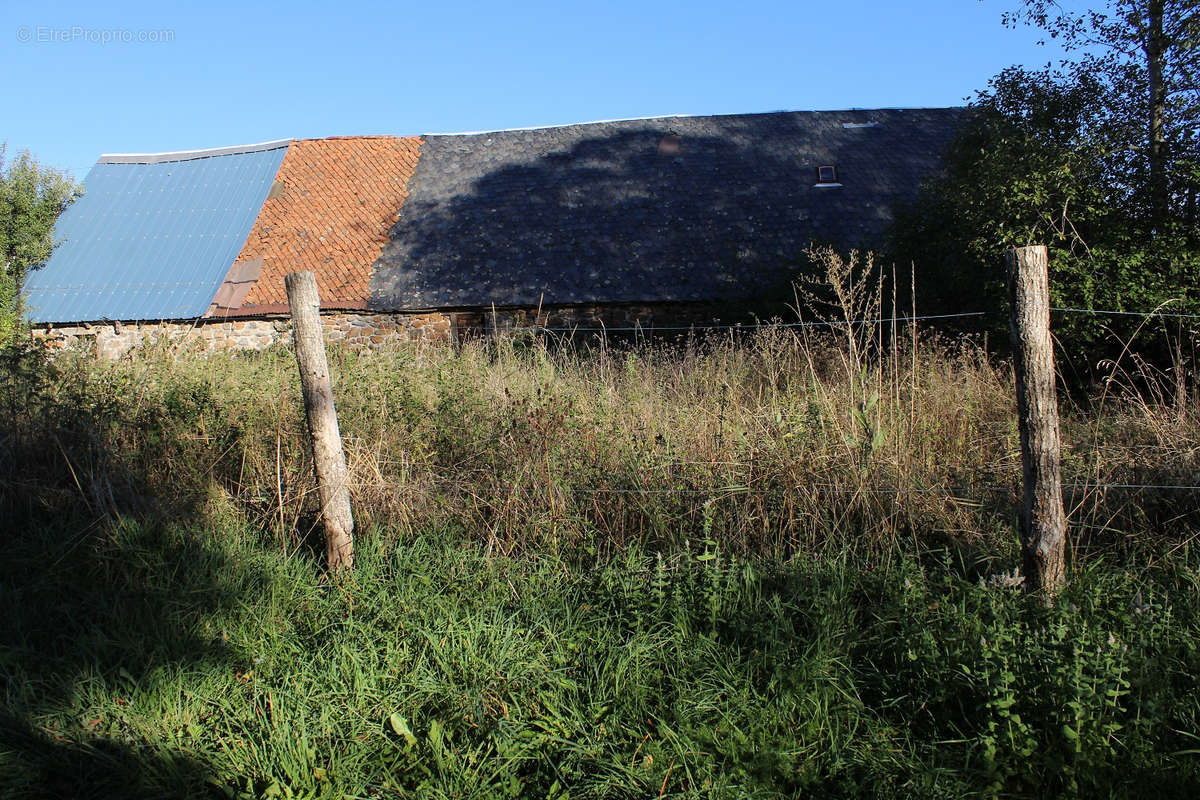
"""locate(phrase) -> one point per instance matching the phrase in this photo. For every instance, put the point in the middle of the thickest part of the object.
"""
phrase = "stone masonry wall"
(623, 317)
(113, 340)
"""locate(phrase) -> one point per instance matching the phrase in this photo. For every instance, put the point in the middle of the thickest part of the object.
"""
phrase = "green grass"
(179, 661)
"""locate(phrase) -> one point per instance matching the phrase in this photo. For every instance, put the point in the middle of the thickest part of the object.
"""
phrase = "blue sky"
(153, 76)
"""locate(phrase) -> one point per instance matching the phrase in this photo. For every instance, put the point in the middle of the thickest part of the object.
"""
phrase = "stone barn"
(662, 222)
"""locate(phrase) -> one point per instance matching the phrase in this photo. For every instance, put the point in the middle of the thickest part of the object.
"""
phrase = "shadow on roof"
(670, 210)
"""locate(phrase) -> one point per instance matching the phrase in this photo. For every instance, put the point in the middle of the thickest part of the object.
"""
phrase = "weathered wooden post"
(329, 461)
(1043, 522)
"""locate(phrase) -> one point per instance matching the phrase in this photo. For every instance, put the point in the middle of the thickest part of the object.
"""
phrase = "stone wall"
(614, 318)
(115, 339)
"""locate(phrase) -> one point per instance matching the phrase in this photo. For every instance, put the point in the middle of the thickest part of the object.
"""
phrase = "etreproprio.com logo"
(48, 34)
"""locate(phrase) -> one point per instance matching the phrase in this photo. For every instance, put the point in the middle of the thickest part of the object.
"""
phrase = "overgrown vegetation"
(763, 565)
(164, 660)
(31, 198)
(1096, 157)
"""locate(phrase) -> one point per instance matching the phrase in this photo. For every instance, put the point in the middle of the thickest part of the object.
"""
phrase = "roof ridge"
(696, 116)
(188, 155)
(356, 137)
(185, 155)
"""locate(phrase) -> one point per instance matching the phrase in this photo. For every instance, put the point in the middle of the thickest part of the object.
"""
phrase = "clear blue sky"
(223, 73)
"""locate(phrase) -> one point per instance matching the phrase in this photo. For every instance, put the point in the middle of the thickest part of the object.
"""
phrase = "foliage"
(161, 660)
(1038, 701)
(767, 566)
(1147, 55)
(1059, 157)
(31, 198)
(788, 440)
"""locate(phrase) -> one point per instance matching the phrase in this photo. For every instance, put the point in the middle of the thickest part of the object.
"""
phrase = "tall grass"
(780, 442)
(743, 565)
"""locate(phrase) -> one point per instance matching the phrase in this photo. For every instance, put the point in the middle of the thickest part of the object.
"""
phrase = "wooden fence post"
(1043, 522)
(329, 461)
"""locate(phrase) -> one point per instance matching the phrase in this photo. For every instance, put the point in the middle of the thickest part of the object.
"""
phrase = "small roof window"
(669, 145)
(827, 176)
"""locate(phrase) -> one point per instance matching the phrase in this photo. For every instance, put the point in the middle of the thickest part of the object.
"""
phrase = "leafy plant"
(31, 198)
(1068, 158)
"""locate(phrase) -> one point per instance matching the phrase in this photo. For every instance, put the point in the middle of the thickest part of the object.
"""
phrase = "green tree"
(1147, 53)
(31, 198)
(1066, 157)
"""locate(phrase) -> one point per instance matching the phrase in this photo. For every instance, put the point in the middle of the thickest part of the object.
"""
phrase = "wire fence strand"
(1124, 313)
(900, 319)
(734, 489)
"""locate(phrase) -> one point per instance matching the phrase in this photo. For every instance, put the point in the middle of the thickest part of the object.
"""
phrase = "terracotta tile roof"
(330, 210)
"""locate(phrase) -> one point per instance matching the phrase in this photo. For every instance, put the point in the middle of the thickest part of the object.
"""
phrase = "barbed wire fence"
(442, 483)
(1022, 323)
(536, 323)
(899, 319)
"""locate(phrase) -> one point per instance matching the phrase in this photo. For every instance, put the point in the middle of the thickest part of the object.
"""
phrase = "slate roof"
(654, 210)
(329, 211)
(153, 235)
